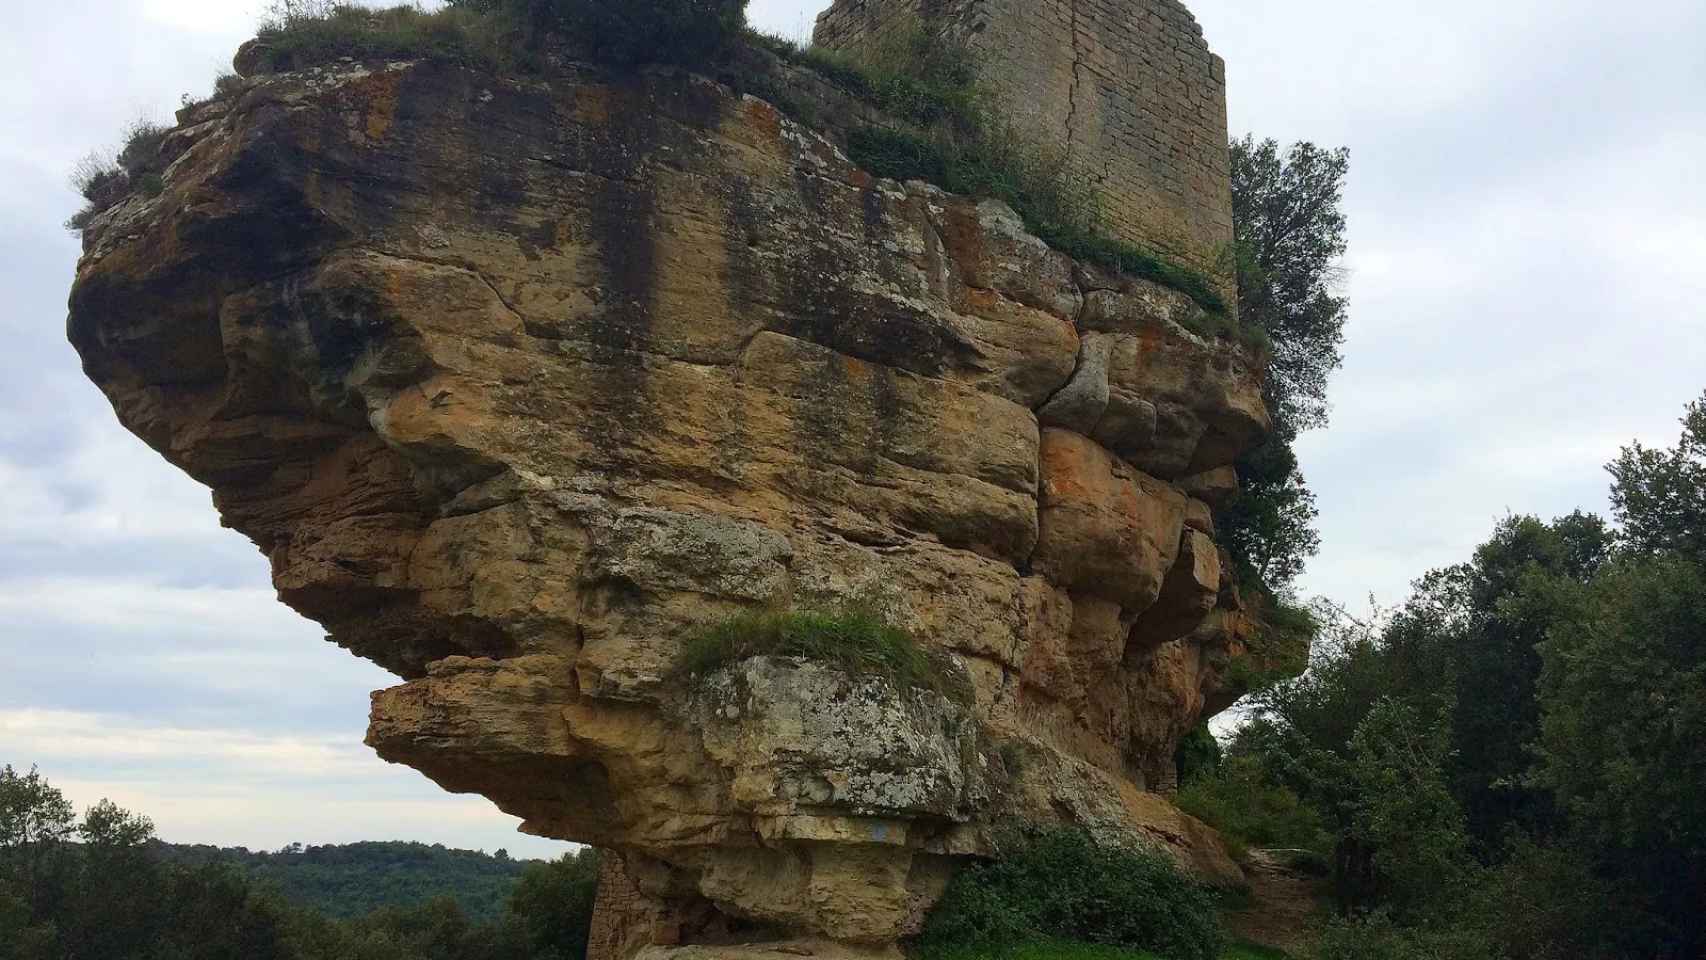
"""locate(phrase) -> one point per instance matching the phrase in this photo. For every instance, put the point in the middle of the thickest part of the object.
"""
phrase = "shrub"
(1240, 801)
(1063, 885)
(668, 31)
(1198, 755)
(553, 904)
(104, 182)
(301, 34)
(687, 32)
(141, 151)
(851, 638)
(100, 181)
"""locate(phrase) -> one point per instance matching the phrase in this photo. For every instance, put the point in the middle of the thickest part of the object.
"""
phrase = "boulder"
(520, 386)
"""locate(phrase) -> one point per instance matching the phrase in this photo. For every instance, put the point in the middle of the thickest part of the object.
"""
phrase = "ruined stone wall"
(1128, 87)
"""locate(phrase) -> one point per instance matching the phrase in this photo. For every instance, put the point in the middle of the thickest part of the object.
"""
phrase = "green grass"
(1251, 951)
(852, 639)
(105, 181)
(1041, 950)
(325, 33)
(1067, 950)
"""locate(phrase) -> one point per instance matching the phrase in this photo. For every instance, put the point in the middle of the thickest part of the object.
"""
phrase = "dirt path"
(1284, 903)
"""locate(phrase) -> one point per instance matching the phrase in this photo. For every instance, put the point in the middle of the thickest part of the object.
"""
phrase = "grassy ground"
(1086, 951)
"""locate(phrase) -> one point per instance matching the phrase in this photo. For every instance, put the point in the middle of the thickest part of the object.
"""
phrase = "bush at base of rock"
(1061, 885)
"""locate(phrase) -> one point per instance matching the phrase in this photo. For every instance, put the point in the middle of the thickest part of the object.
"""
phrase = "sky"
(1527, 274)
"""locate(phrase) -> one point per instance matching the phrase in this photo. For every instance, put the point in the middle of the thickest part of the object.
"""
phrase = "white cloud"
(114, 739)
(130, 604)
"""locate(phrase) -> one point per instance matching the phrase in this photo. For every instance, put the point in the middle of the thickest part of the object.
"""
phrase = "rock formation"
(520, 383)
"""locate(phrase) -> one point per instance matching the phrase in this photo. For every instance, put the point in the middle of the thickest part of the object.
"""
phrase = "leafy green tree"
(1270, 526)
(213, 912)
(117, 898)
(1199, 754)
(101, 888)
(1406, 840)
(1289, 230)
(1467, 642)
(1623, 704)
(1289, 235)
(1346, 746)
(1237, 798)
(1659, 496)
(35, 822)
(553, 903)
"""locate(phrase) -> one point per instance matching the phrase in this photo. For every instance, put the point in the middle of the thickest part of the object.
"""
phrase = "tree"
(1659, 496)
(1289, 233)
(212, 912)
(1406, 832)
(1467, 642)
(35, 822)
(118, 897)
(1270, 526)
(1623, 715)
(553, 902)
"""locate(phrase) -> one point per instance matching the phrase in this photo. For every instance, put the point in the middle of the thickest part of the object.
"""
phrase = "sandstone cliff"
(519, 384)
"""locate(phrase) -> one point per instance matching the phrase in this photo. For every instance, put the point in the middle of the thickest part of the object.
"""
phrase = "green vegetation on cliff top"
(945, 129)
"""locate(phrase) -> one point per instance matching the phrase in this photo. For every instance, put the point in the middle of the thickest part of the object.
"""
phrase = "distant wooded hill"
(353, 879)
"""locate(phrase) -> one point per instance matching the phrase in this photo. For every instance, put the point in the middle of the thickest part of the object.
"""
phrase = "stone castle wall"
(1128, 87)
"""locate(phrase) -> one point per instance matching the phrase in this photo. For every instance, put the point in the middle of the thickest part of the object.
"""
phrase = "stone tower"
(1128, 87)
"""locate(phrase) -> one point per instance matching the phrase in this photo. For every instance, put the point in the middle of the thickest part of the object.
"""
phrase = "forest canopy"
(1508, 765)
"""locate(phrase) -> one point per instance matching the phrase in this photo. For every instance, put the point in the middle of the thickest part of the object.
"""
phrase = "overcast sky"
(1527, 274)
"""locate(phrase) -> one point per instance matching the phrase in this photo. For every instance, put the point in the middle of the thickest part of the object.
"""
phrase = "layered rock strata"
(518, 385)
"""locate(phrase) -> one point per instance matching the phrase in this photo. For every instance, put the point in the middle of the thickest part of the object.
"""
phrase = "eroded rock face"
(520, 384)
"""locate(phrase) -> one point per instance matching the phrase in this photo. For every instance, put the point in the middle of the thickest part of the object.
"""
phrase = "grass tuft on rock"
(103, 181)
(853, 639)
